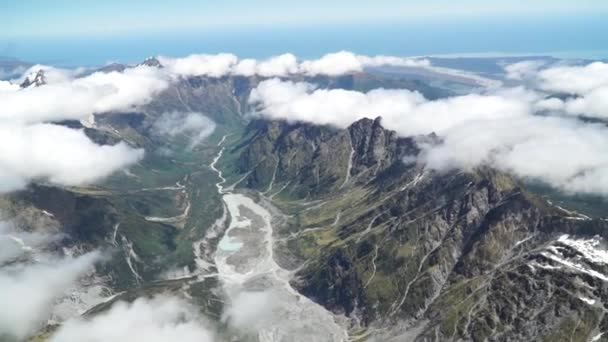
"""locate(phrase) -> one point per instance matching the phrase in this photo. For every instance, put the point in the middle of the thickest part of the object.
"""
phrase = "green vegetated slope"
(144, 220)
(147, 218)
(416, 254)
(409, 253)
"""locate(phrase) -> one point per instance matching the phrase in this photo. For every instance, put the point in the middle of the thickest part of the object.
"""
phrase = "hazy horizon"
(578, 34)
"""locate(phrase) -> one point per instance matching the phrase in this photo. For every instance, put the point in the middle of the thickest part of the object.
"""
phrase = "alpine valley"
(264, 226)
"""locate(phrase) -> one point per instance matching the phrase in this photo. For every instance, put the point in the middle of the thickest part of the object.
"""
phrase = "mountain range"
(388, 248)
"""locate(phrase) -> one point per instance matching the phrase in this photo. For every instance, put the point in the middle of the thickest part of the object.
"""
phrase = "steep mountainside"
(308, 160)
(150, 222)
(404, 252)
(414, 254)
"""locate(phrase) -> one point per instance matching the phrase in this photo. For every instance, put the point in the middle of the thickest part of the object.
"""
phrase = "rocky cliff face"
(35, 79)
(311, 160)
(414, 254)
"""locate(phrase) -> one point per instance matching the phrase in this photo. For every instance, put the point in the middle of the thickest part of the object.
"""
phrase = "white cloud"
(578, 80)
(345, 62)
(51, 74)
(382, 60)
(197, 126)
(523, 70)
(594, 103)
(550, 104)
(27, 290)
(278, 66)
(33, 150)
(407, 112)
(282, 65)
(153, 320)
(563, 152)
(332, 64)
(499, 128)
(250, 311)
(80, 97)
(200, 64)
(57, 154)
(122, 91)
(589, 84)
(6, 86)
(246, 67)
(15, 245)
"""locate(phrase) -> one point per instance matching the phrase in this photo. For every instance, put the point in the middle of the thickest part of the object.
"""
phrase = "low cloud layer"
(501, 127)
(6, 86)
(52, 75)
(61, 155)
(523, 70)
(57, 154)
(578, 80)
(332, 64)
(14, 245)
(66, 97)
(251, 311)
(584, 88)
(153, 320)
(32, 149)
(195, 126)
(563, 152)
(168, 318)
(200, 64)
(407, 112)
(30, 283)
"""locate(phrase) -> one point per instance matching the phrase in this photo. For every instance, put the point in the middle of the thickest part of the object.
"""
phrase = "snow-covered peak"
(34, 79)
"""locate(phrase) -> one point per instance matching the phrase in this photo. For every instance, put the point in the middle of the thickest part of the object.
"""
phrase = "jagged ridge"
(420, 254)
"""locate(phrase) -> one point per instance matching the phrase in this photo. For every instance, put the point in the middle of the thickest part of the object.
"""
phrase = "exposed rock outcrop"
(417, 254)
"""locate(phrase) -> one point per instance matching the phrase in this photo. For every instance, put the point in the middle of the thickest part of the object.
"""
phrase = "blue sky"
(22, 18)
(98, 31)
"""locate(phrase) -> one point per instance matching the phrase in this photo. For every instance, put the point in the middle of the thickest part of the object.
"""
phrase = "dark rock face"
(308, 156)
(423, 255)
(84, 219)
(213, 97)
(34, 80)
(315, 159)
(376, 148)
(152, 62)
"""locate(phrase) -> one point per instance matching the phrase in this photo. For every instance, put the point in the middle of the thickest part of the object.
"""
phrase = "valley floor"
(250, 276)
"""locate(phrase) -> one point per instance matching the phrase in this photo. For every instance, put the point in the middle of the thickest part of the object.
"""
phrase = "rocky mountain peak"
(34, 79)
(308, 155)
(423, 254)
(152, 62)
